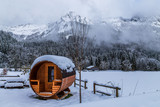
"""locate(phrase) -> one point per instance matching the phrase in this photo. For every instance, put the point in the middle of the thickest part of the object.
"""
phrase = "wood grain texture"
(41, 86)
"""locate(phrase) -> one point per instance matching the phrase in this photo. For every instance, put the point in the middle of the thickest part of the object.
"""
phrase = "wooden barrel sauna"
(51, 76)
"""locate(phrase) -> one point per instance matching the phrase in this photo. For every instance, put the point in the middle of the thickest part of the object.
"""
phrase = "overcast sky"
(15, 12)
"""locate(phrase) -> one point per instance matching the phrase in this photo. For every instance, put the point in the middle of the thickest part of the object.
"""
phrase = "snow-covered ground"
(27, 98)
(147, 100)
(139, 89)
(141, 82)
(11, 72)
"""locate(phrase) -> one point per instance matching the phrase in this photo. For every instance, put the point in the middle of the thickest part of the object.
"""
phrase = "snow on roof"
(62, 62)
(90, 66)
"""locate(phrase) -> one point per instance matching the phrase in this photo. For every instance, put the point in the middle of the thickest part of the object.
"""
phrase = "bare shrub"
(4, 71)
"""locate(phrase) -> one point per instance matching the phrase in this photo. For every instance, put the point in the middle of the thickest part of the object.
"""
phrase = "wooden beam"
(104, 93)
(108, 86)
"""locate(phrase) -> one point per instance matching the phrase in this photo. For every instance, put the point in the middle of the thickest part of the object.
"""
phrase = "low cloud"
(15, 12)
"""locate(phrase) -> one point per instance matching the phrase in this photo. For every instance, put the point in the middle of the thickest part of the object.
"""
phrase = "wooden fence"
(84, 81)
(107, 86)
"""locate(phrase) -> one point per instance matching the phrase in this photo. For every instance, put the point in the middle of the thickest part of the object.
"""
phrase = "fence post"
(85, 82)
(94, 88)
(117, 92)
(74, 83)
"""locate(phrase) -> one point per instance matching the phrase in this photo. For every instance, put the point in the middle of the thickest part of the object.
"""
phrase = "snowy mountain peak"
(27, 29)
(41, 32)
(63, 26)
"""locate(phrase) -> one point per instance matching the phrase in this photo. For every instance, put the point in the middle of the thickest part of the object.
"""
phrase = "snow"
(67, 37)
(15, 73)
(2, 83)
(65, 21)
(148, 100)
(1, 70)
(25, 77)
(147, 81)
(43, 32)
(8, 85)
(15, 80)
(27, 83)
(147, 92)
(34, 31)
(27, 29)
(90, 67)
(62, 62)
(65, 26)
(27, 98)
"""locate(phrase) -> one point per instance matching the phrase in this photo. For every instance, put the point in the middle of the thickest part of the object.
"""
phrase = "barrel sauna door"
(50, 75)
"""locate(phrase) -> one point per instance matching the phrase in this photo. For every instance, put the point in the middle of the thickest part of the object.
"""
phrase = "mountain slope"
(136, 29)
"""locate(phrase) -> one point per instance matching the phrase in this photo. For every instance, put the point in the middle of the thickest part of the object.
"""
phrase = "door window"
(50, 73)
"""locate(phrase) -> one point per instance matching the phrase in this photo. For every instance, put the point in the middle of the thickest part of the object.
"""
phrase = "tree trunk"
(80, 97)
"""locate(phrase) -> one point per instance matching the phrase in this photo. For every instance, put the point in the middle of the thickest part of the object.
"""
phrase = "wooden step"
(45, 93)
(54, 90)
(64, 94)
(56, 86)
(57, 80)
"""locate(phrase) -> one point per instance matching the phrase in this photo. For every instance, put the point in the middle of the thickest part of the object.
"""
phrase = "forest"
(105, 56)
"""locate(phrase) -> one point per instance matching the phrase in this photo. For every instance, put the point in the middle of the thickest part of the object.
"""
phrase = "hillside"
(113, 43)
(115, 30)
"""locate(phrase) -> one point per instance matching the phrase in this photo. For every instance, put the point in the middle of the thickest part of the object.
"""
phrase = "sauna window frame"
(50, 79)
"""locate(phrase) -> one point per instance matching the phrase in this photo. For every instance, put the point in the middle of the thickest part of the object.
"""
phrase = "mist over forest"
(129, 44)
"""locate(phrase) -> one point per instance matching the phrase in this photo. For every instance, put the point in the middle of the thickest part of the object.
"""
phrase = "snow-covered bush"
(4, 72)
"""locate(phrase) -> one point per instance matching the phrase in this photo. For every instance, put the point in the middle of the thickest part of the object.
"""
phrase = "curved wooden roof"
(63, 63)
